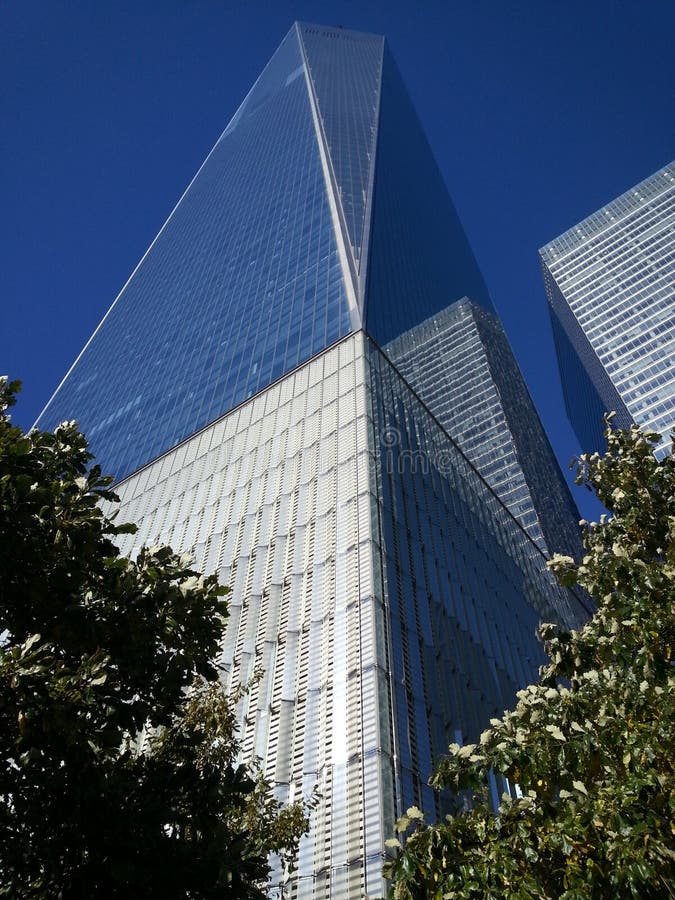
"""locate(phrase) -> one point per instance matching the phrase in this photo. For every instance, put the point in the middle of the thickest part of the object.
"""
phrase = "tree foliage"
(590, 747)
(119, 771)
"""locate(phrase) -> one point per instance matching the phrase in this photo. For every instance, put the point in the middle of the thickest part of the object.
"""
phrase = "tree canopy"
(588, 750)
(119, 772)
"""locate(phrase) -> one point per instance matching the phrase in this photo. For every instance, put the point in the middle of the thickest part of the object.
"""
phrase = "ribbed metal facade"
(389, 598)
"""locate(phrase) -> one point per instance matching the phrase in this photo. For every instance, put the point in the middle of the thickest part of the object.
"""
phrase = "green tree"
(118, 752)
(590, 746)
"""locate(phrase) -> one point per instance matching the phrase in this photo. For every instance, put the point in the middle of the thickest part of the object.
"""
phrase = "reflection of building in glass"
(610, 282)
(461, 365)
(236, 391)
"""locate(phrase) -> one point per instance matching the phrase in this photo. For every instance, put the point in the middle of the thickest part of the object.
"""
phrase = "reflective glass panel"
(241, 285)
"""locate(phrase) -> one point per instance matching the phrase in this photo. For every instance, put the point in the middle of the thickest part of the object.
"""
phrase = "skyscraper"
(238, 391)
(610, 283)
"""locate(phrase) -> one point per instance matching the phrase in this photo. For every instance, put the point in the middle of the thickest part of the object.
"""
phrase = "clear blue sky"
(538, 113)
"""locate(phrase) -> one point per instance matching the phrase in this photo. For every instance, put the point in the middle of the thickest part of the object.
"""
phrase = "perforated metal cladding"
(390, 610)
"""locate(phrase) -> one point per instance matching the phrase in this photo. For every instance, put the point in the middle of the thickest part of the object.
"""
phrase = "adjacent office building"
(239, 391)
(610, 282)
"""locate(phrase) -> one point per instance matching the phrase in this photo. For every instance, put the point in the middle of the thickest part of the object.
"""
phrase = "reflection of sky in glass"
(242, 284)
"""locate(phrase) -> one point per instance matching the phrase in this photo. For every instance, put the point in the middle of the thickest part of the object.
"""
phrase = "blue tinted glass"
(462, 367)
(420, 259)
(242, 284)
(345, 68)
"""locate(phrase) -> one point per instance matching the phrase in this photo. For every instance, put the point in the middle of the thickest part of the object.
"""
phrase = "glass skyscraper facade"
(262, 262)
(610, 283)
(238, 390)
(461, 365)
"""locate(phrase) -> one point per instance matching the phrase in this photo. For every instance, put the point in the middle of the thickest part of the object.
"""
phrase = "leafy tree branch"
(588, 750)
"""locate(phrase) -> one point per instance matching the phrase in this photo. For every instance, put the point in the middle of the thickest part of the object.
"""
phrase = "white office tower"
(610, 282)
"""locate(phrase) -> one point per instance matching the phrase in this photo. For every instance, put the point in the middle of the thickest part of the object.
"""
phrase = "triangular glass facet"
(345, 69)
(419, 259)
(243, 283)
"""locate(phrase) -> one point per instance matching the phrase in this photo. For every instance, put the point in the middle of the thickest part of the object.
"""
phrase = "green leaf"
(555, 732)
(31, 642)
